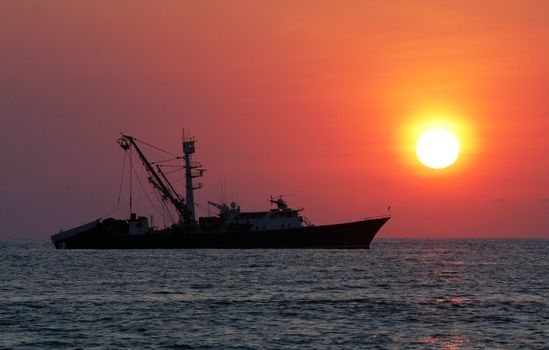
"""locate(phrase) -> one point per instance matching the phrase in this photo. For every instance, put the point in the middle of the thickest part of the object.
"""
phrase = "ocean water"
(423, 294)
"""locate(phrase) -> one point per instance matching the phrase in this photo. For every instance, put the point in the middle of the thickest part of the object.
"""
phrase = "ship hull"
(357, 234)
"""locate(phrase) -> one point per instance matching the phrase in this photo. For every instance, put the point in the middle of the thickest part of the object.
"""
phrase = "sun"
(437, 148)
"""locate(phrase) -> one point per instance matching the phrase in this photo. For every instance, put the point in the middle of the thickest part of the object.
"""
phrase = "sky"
(322, 101)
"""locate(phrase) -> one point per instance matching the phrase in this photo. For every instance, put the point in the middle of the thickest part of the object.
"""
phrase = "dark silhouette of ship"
(280, 227)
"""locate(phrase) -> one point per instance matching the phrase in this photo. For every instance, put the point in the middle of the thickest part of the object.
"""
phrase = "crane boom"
(159, 182)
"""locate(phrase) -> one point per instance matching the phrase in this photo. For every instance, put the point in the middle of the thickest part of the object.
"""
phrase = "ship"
(232, 228)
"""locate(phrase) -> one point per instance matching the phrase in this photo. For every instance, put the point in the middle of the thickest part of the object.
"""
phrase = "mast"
(159, 182)
(192, 170)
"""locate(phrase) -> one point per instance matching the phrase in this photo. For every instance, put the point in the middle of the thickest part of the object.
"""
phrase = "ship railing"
(307, 221)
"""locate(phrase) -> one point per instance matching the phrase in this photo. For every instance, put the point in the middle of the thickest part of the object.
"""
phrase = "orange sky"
(316, 100)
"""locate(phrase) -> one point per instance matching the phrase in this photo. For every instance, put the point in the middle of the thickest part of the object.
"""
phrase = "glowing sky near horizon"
(321, 101)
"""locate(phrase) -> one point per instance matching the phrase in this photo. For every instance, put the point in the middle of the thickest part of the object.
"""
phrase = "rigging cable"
(131, 168)
(140, 199)
(121, 181)
(166, 160)
(171, 171)
(146, 194)
(166, 212)
(159, 149)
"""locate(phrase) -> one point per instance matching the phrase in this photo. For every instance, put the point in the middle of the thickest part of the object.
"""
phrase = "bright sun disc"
(437, 148)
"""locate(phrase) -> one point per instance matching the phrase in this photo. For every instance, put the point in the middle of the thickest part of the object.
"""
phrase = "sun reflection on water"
(452, 342)
(451, 300)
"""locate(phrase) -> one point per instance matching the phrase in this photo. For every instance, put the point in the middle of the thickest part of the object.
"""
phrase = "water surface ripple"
(424, 294)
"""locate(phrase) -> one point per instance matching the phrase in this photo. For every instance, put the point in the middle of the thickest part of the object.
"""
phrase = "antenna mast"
(192, 169)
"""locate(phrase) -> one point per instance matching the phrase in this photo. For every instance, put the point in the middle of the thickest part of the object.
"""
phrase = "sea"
(400, 294)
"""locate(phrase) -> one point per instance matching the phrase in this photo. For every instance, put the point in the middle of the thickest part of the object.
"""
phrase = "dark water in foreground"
(400, 294)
